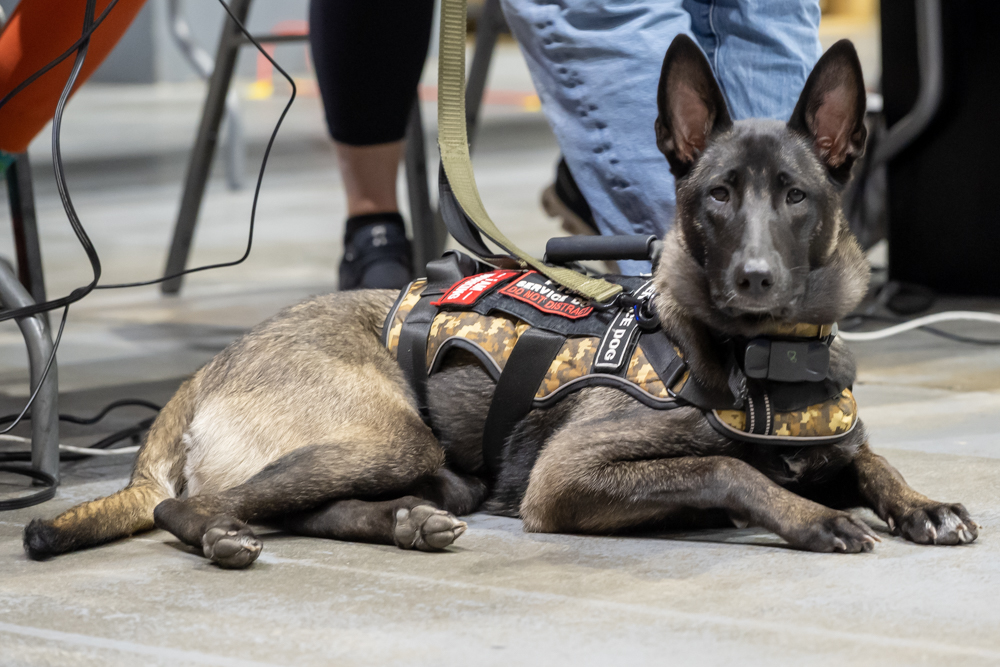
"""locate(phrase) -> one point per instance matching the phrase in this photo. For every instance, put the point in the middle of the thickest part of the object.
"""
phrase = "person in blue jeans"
(596, 64)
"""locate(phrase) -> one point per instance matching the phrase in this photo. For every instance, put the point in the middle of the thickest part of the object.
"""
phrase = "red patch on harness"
(468, 290)
(540, 292)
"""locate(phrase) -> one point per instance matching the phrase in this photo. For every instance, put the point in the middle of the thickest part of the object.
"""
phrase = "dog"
(307, 421)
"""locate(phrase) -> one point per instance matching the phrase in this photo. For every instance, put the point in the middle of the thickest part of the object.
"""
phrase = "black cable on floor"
(114, 405)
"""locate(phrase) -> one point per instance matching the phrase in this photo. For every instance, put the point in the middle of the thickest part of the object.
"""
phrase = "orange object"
(37, 32)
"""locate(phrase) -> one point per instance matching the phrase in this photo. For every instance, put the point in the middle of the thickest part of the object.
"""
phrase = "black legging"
(368, 56)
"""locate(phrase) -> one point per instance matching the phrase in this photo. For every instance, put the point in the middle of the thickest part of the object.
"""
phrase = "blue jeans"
(596, 66)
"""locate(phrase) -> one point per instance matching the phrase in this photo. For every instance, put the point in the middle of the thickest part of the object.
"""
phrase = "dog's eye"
(795, 196)
(719, 194)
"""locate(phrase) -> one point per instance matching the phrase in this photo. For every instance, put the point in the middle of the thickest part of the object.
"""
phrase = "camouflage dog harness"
(539, 343)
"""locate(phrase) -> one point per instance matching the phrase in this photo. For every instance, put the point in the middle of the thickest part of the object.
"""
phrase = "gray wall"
(147, 54)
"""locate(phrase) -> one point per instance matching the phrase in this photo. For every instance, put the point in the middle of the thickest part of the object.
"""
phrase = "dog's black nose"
(754, 277)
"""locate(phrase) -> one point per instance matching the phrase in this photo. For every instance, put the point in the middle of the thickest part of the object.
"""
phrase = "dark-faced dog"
(308, 421)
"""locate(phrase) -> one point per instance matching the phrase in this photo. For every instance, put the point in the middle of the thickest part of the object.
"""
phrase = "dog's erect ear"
(831, 109)
(691, 106)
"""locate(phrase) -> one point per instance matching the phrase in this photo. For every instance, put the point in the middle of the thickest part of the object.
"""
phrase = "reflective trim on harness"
(826, 422)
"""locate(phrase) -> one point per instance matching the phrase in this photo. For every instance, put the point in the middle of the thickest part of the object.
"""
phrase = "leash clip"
(645, 316)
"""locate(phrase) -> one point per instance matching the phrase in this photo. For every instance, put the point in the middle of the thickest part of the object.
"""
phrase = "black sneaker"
(564, 200)
(377, 254)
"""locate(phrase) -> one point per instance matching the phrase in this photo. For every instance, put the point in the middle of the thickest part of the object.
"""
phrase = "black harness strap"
(515, 391)
(661, 354)
(459, 226)
(412, 350)
(669, 366)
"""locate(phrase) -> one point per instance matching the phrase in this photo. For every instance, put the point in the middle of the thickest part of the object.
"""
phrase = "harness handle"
(564, 249)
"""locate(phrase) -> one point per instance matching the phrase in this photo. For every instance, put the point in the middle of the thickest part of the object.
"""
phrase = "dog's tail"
(156, 476)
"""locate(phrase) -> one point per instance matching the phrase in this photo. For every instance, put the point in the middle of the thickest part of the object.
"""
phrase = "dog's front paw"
(426, 528)
(833, 531)
(230, 544)
(934, 523)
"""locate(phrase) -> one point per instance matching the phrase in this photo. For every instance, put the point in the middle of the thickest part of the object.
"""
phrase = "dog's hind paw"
(935, 523)
(230, 544)
(426, 528)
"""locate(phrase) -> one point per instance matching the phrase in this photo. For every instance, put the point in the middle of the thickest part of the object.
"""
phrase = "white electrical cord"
(949, 316)
(86, 451)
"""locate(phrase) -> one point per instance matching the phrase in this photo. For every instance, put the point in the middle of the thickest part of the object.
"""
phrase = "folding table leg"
(200, 164)
(491, 24)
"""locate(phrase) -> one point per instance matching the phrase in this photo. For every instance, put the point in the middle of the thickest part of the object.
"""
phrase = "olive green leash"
(453, 141)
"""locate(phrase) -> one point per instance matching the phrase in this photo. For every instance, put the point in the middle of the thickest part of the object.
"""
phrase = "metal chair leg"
(233, 144)
(491, 23)
(25, 224)
(200, 164)
(38, 339)
(428, 239)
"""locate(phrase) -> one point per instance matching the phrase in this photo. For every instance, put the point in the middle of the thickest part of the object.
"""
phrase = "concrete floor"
(500, 596)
